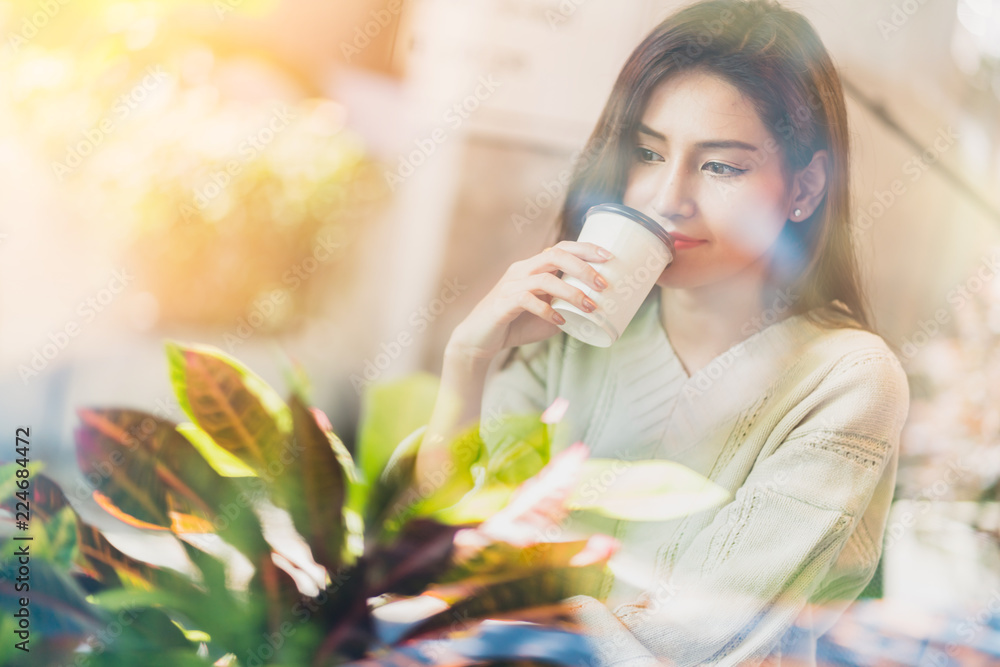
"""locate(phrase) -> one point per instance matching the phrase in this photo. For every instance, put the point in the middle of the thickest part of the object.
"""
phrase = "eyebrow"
(702, 145)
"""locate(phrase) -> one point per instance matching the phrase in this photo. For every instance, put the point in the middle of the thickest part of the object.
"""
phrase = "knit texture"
(800, 423)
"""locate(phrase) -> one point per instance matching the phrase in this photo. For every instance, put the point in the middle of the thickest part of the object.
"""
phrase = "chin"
(682, 277)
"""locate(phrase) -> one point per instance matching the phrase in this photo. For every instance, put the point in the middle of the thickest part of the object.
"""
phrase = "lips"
(682, 242)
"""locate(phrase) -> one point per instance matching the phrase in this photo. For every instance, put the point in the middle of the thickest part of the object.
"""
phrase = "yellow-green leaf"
(221, 460)
(650, 490)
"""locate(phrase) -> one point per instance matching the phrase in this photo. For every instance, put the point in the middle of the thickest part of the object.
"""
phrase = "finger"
(568, 260)
(526, 301)
(548, 285)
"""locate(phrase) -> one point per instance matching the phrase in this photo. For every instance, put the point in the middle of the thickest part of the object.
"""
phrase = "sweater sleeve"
(735, 593)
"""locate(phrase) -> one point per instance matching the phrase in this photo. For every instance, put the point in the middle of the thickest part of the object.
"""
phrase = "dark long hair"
(775, 58)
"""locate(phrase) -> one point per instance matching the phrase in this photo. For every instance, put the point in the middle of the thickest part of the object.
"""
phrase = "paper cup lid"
(638, 216)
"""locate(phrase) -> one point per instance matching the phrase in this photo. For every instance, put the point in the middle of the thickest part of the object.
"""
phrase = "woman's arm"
(516, 312)
(457, 405)
(737, 590)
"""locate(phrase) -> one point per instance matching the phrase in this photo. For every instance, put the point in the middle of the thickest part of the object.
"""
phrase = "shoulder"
(842, 343)
(846, 346)
(851, 360)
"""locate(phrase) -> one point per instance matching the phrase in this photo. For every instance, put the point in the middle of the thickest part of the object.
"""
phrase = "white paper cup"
(641, 249)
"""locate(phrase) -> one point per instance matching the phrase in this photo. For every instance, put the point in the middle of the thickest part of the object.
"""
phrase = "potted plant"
(249, 461)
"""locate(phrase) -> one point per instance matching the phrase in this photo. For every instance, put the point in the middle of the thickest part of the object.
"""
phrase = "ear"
(809, 186)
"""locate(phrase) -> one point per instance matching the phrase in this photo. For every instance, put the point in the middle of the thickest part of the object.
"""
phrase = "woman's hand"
(517, 310)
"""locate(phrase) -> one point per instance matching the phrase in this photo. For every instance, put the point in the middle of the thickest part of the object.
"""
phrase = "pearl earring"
(797, 212)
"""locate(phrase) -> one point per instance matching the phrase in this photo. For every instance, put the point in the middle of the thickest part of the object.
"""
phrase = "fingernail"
(604, 253)
(601, 282)
(589, 305)
(559, 319)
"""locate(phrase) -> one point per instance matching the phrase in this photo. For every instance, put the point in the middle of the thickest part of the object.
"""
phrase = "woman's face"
(704, 166)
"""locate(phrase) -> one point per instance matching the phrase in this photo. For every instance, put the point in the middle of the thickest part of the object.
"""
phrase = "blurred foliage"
(149, 474)
(249, 460)
(232, 184)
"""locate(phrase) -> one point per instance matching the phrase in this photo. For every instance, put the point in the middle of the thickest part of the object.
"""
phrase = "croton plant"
(393, 573)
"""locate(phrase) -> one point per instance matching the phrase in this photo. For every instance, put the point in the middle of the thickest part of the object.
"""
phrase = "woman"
(753, 361)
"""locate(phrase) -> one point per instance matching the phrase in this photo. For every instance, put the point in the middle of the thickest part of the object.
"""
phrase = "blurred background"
(338, 183)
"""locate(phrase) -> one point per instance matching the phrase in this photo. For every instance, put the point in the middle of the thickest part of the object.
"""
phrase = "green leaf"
(519, 450)
(209, 607)
(149, 637)
(296, 378)
(8, 477)
(389, 501)
(58, 605)
(135, 456)
(46, 498)
(392, 410)
(240, 411)
(221, 460)
(150, 476)
(114, 568)
(651, 490)
(60, 533)
(53, 523)
(466, 451)
(314, 487)
(391, 413)
(477, 505)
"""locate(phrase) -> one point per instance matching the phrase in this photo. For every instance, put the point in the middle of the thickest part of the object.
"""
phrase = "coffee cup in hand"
(642, 249)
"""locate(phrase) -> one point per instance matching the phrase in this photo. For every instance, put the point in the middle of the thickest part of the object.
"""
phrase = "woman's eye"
(723, 169)
(647, 155)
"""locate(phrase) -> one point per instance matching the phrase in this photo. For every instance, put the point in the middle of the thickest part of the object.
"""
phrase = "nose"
(672, 200)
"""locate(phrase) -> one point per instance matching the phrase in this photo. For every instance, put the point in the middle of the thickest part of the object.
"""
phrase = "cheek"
(639, 189)
(749, 221)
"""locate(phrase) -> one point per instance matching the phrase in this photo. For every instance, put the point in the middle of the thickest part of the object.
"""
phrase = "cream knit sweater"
(799, 423)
